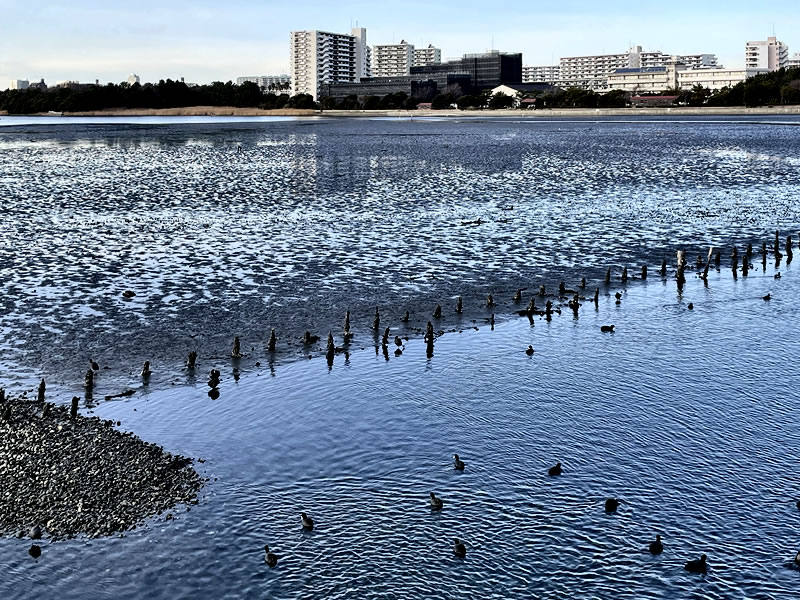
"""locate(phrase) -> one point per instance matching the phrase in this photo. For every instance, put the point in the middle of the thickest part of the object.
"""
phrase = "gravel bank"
(70, 476)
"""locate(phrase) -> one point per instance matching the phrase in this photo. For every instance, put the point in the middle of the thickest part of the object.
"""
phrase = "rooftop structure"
(319, 57)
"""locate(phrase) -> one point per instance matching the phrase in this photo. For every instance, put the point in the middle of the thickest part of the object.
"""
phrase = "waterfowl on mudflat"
(697, 566)
(436, 503)
(767, 297)
(656, 547)
(555, 470)
(94, 365)
(611, 505)
(529, 351)
(459, 549)
(607, 328)
(269, 557)
(308, 522)
(458, 464)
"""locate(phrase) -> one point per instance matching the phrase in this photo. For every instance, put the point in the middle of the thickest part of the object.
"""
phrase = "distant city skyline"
(204, 41)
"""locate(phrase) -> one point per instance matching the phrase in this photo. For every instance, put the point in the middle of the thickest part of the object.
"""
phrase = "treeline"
(778, 87)
(164, 94)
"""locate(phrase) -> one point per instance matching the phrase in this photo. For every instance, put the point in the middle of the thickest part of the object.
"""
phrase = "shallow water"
(316, 216)
(689, 417)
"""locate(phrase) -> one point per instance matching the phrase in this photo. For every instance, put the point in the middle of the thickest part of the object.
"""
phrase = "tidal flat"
(688, 416)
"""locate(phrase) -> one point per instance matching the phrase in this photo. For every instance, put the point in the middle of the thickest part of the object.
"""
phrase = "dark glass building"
(485, 71)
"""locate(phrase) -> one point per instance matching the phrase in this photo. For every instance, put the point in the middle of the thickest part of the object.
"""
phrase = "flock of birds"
(699, 565)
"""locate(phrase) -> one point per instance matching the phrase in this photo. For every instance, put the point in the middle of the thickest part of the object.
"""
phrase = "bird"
(269, 557)
(611, 505)
(656, 547)
(436, 503)
(778, 275)
(459, 549)
(554, 470)
(458, 464)
(529, 351)
(94, 365)
(128, 294)
(691, 306)
(35, 551)
(607, 328)
(397, 341)
(697, 566)
(308, 522)
(618, 295)
(767, 297)
(35, 533)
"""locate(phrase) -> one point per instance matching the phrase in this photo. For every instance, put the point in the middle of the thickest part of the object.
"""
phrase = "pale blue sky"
(205, 41)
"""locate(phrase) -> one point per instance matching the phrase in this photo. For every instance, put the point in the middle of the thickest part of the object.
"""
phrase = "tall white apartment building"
(19, 84)
(392, 60)
(427, 56)
(546, 74)
(769, 54)
(319, 57)
(794, 60)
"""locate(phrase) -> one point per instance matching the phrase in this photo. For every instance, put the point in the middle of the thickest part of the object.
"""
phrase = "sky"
(204, 41)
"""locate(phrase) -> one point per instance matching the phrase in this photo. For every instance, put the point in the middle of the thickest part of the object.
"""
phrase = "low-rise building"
(793, 61)
(674, 75)
(267, 82)
(380, 86)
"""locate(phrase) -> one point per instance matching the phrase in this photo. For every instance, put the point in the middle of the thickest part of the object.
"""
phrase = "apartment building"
(769, 54)
(544, 74)
(427, 56)
(392, 60)
(319, 57)
(793, 61)
(266, 82)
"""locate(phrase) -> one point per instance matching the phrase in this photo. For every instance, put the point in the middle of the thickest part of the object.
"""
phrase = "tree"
(501, 100)
(441, 101)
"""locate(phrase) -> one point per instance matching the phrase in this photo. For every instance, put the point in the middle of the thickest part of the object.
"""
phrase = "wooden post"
(459, 305)
(385, 340)
(541, 290)
(517, 297)
(735, 259)
(273, 339)
(40, 391)
(608, 275)
(376, 322)
(708, 262)
(583, 282)
(429, 337)
(562, 289)
(624, 274)
(329, 353)
(777, 244)
(191, 360)
(490, 301)
(596, 296)
(664, 267)
(88, 381)
(73, 411)
(681, 267)
(437, 312)
(644, 271)
(789, 246)
(346, 328)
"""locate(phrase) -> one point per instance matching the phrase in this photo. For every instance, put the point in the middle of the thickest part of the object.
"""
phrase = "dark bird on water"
(269, 557)
(308, 522)
(459, 549)
(690, 306)
(607, 328)
(94, 365)
(458, 464)
(611, 505)
(35, 551)
(656, 547)
(767, 297)
(777, 275)
(697, 566)
(398, 341)
(436, 503)
(554, 470)
(128, 294)
(529, 351)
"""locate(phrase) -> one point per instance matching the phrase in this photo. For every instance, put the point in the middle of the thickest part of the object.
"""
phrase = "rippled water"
(688, 416)
(313, 217)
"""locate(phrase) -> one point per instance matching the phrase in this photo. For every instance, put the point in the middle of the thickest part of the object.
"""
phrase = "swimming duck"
(269, 557)
(436, 503)
(459, 549)
(618, 295)
(458, 464)
(128, 294)
(656, 547)
(398, 341)
(767, 297)
(309, 339)
(607, 328)
(94, 365)
(555, 470)
(690, 306)
(697, 566)
(308, 522)
(778, 275)
(35, 551)
(611, 505)
(529, 351)
(146, 369)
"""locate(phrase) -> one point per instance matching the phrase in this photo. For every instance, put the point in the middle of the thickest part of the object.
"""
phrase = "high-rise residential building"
(793, 61)
(769, 54)
(546, 74)
(392, 60)
(318, 57)
(427, 56)
(19, 84)
(133, 78)
(271, 83)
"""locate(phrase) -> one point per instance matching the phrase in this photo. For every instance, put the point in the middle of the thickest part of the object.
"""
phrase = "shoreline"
(231, 111)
